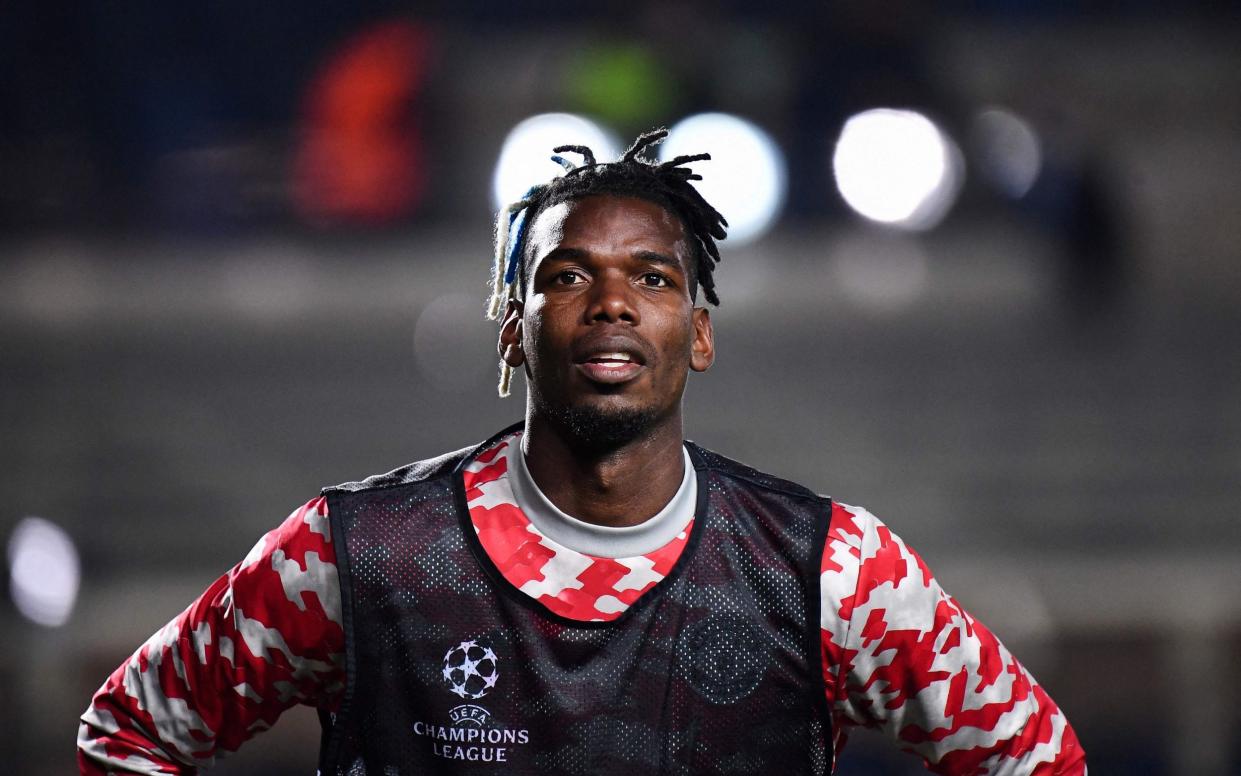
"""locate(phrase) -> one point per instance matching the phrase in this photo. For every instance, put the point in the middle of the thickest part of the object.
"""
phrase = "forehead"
(603, 224)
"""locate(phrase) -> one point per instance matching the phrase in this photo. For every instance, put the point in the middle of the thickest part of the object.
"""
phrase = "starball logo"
(471, 670)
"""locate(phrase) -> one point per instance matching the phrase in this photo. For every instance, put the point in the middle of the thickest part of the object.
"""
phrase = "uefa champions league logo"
(471, 670)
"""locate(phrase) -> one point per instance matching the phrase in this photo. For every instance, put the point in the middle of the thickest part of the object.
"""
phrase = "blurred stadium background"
(987, 282)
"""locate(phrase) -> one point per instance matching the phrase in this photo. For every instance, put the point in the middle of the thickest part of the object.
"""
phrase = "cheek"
(531, 322)
(530, 339)
(676, 343)
(538, 335)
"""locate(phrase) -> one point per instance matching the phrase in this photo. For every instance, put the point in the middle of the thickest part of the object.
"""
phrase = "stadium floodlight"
(44, 571)
(746, 179)
(525, 157)
(897, 167)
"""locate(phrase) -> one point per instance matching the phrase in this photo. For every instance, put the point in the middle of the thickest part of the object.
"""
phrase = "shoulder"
(861, 554)
(420, 471)
(858, 543)
(852, 534)
(711, 461)
(303, 539)
(855, 527)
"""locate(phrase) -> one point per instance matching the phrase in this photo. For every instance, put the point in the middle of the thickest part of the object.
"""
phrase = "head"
(596, 294)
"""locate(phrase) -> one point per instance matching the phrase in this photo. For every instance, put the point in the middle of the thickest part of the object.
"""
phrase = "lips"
(609, 360)
(610, 372)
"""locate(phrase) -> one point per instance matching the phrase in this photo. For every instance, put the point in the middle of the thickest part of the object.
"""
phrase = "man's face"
(607, 330)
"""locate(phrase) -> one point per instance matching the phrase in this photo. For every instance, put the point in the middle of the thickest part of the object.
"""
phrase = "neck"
(621, 486)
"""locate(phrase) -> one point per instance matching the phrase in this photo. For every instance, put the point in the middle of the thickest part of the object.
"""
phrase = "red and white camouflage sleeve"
(900, 654)
(263, 637)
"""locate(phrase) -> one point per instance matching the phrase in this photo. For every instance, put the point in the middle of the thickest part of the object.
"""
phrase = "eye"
(568, 277)
(656, 280)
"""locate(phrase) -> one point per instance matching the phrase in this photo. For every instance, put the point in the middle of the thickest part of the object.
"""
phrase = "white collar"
(598, 540)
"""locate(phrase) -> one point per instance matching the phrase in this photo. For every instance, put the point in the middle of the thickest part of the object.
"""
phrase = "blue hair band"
(514, 250)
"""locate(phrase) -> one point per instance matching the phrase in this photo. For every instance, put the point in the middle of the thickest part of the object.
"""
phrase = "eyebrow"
(651, 257)
(565, 254)
(658, 258)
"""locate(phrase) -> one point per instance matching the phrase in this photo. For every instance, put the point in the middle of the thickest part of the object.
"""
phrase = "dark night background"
(244, 250)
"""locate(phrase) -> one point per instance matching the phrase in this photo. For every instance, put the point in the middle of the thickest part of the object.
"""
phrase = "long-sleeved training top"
(899, 654)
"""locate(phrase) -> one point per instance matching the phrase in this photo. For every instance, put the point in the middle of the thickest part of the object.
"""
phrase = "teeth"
(612, 357)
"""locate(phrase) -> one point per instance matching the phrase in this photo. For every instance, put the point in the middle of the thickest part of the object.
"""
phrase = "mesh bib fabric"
(453, 670)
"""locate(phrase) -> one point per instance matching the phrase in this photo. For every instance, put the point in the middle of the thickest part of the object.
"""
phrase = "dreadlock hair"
(666, 184)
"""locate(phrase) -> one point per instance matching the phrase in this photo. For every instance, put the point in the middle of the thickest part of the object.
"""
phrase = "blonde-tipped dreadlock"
(500, 288)
(666, 184)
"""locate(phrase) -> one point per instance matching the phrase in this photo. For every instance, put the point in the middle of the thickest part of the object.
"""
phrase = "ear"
(702, 350)
(509, 345)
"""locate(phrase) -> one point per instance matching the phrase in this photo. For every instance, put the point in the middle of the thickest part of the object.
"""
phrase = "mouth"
(610, 364)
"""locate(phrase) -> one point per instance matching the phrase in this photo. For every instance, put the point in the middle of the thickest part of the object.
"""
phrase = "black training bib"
(453, 670)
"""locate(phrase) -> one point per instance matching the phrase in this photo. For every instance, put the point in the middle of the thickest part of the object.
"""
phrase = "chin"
(603, 425)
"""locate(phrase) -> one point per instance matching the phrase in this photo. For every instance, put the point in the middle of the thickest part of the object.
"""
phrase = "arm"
(902, 655)
(263, 637)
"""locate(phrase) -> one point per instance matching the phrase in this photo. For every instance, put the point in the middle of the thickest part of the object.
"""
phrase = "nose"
(611, 301)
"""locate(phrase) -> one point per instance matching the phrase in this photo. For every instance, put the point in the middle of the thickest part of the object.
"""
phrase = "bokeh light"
(361, 156)
(454, 345)
(525, 157)
(622, 83)
(1007, 151)
(897, 167)
(44, 571)
(746, 177)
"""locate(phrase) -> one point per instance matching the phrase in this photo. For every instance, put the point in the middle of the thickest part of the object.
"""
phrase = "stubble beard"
(597, 430)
